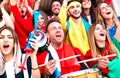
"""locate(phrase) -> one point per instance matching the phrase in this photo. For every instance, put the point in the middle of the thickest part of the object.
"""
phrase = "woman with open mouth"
(11, 57)
(101, 47)
(106, 16)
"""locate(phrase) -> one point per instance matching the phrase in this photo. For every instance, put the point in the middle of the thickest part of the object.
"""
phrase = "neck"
(87, 11)
(57, 46)
(77, 21)
(101, 44)
(109, 22)
(8, 57)
(55, 15)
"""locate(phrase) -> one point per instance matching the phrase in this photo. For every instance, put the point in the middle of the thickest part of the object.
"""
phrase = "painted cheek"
(102, 12)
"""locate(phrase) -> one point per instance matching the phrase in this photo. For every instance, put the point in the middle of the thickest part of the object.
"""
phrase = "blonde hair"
(16, 50)
(93, 47)
(101, 20)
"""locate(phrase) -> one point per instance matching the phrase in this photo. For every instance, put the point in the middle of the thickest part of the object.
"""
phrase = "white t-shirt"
(9, 67)
(89, 19)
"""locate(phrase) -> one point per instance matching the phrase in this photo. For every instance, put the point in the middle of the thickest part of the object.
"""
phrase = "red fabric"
(22, 26)
(66, 66)
(108, 1)
(43, 28)
(106, 52)
(50, 17)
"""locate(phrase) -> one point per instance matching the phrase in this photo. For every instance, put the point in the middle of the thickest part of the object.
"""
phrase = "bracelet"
(35, 68)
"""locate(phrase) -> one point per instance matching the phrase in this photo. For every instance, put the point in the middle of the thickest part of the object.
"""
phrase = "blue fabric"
(36, 17)
(112, 31)
(86, 24)
(56, 73)
(118, 18)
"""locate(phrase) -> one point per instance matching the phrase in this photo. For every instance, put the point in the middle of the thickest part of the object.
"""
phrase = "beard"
(75, 17)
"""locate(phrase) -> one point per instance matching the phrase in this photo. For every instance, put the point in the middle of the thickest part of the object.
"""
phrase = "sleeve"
(116, 43)
(77, 51)
(63, 18)
(89, 56)
(26, 24)
(80, 58)
(114, 72)
(29, 66)
(41, 60)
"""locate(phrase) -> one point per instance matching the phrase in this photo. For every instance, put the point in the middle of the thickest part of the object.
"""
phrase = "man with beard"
(75, 27)
(55, 8)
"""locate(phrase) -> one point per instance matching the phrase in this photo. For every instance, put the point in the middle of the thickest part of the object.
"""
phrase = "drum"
(87, 73)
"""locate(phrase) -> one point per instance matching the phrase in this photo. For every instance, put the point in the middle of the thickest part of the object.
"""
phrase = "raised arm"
(63, 14)
(37, 4)
(6, 16)
(28, 7)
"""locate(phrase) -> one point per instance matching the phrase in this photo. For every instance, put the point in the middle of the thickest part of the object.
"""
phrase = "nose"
(58, 30)
(5, 38)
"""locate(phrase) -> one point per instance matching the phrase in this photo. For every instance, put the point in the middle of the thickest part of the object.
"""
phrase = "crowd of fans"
(76, 31)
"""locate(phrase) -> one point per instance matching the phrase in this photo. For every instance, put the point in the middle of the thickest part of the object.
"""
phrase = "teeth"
(58, 35)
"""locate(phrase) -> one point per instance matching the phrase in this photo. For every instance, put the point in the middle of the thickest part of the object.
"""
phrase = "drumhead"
(91, 70)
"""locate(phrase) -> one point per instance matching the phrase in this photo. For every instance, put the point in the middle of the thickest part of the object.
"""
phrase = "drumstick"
(62, 59)
(95, 58)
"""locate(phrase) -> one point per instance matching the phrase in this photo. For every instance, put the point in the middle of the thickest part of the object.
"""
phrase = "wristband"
(35, 68)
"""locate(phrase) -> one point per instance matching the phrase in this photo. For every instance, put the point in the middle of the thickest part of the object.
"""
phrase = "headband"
(73, 3)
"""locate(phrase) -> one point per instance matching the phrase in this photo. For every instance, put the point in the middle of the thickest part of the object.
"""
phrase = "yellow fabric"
(73, 3)
(76, 36)
(63, 17)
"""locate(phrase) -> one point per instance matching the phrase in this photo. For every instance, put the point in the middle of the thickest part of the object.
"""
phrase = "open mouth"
(102, 34)
(5, 46)
(108, 13)
(22, 11)
(58, 35)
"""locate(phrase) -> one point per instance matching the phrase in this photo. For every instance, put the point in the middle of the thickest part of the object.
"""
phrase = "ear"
(68, 13)
(47, 35)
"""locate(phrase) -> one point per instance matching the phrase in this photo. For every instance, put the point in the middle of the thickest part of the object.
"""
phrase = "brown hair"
(93, 47)
(101, 20)
(16, 50)
(56, 19)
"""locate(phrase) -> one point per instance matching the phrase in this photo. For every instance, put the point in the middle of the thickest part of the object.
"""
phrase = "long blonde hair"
(100, 19)
(16, 49)
(92, 42)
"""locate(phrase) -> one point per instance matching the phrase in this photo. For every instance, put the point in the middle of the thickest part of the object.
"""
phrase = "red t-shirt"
(65, 66)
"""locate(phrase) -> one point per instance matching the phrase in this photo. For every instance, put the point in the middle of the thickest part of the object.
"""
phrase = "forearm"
(35, 68)
(13, 2)
(6, 16)
(36, 5)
